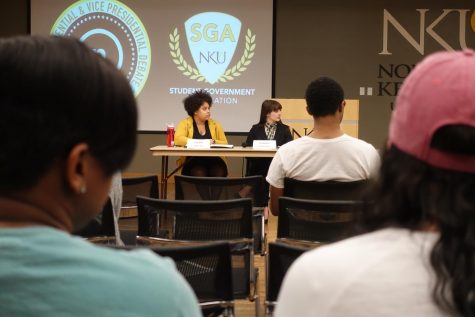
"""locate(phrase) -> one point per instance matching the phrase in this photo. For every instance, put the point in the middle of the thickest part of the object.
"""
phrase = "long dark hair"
(267, 107)
(410, 194)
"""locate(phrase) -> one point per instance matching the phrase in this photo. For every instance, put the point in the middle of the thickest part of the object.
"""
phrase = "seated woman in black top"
(269, 127)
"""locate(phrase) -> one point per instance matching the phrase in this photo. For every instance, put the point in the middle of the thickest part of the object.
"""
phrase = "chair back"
(195, 219)
(138, 186)
(279, 258)
(225, 188)
(319, 221)
(102, 225)
(207, 268)
(132, 187)
(328, 190)
(221, 188)
(161, 221)
(108, 227)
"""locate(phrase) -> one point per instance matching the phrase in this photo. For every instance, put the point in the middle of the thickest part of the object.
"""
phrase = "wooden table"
(165, 152)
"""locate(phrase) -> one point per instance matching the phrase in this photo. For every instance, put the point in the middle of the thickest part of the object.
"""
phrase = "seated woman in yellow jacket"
(199, 125)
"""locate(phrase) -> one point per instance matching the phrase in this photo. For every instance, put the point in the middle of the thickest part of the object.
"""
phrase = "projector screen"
(169, 48)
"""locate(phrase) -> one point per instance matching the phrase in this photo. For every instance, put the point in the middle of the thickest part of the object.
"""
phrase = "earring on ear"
(82, 189)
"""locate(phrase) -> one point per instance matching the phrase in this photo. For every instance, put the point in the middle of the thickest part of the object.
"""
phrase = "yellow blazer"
(184, 131)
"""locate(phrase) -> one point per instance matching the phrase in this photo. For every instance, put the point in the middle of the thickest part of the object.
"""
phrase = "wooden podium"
(295, 115)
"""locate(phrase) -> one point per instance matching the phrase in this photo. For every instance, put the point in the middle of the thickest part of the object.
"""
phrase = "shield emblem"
(212, 38)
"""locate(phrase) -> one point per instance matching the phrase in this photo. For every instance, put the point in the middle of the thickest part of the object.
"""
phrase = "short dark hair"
(267, 107)
(410, 193)
(55, 92)
(324, 97)
(194, 101)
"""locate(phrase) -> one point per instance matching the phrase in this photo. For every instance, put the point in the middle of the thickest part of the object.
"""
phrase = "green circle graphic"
(124, 27)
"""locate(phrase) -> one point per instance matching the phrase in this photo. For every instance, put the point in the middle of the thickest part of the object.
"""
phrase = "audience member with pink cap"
(417, 255)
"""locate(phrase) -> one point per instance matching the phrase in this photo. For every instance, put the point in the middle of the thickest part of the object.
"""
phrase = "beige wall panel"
(294, 114)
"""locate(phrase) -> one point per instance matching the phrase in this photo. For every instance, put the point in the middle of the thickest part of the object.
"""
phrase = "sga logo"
(212, 38)
(113, 30)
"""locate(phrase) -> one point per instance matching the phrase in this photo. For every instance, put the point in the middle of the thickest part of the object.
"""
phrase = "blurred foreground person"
(68, 122)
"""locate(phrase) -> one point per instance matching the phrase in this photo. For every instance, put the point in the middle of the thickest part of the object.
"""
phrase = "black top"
(196, 132)
(260, 166)
(258, 132)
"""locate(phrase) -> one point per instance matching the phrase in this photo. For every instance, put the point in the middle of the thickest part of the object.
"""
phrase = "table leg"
(164, 178)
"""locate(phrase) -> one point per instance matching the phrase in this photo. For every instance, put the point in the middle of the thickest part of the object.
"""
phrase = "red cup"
(170, 135)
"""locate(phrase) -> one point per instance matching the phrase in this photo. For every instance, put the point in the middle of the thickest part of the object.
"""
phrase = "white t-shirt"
(340, 159)
(384, 273)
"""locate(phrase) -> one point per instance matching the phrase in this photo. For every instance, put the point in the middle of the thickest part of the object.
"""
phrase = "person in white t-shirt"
(327, 153)
(417, 257)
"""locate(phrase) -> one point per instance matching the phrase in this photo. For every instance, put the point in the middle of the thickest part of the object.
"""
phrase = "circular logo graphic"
(113, 30)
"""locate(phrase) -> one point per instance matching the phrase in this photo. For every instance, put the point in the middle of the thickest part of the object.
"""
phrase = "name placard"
(264, 144)
(198, 144)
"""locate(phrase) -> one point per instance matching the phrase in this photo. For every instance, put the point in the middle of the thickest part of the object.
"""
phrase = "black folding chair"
(138, 186)
(313, 222)
(207, 268)
(279, 258)
(131, 188)
(165, 221)
(329, 190)
(225, 188)
(100, 229)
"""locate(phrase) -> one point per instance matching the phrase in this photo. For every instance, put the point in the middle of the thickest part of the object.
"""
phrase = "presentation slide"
(170, 48)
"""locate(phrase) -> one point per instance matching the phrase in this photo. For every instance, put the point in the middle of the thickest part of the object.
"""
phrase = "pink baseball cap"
(439, 91)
